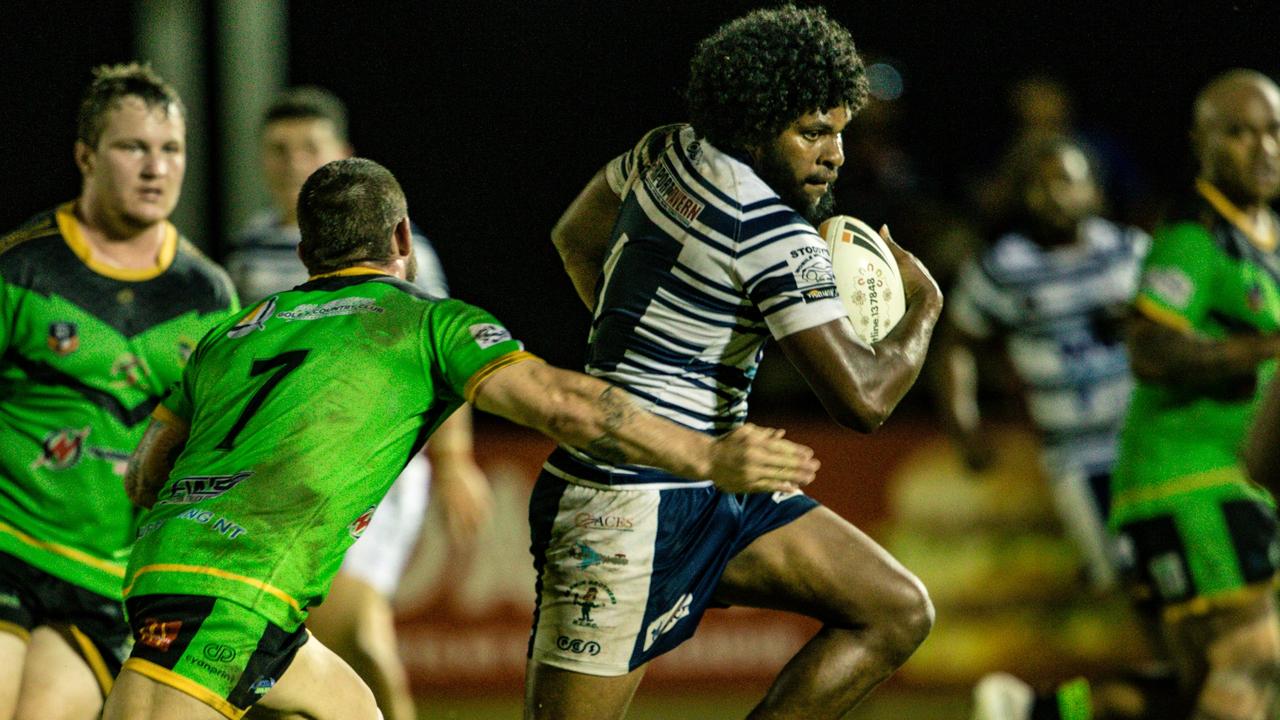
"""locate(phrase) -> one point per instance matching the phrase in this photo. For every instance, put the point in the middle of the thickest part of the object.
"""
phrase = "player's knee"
(906, 617)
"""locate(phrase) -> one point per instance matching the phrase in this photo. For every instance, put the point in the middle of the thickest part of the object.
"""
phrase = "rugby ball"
(867, 276)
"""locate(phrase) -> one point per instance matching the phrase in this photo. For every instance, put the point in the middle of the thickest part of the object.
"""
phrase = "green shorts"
(1201, 555)
(217, 651)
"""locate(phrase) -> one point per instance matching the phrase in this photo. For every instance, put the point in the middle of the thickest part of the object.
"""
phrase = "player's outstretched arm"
(1166, 355)
(152, 461)
(582, 234)
(860, 385)
(601, 419)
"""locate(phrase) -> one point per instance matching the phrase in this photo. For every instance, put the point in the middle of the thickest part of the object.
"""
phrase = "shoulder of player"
(199, 272)
(1011, 258)
(15, 244)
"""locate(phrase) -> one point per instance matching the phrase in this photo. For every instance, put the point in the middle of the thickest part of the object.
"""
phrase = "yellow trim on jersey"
(169, 417)
(18, 237)
(165, 676)
(1158, 313)
(1222, 601)
(67, 552)
(353, 270)
(15, 629)
(1184, 484)
(493, 366)
(93, 657)
(1237, 217)
(70, 227)
(201, 570)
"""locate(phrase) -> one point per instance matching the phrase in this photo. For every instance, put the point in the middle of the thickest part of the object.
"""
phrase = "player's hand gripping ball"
(867, 276)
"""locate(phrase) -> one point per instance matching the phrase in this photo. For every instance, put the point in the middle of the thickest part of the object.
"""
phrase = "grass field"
(881, 706)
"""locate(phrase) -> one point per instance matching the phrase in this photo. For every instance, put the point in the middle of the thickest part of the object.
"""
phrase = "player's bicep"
(785, 270)
(518, 391)
(583, 232)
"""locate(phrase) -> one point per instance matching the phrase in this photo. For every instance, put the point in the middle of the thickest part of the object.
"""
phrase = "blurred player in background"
(1051, 295)
(303, 129)
(248, 526)
(692, 249)
(101, 303)
(1196, 538)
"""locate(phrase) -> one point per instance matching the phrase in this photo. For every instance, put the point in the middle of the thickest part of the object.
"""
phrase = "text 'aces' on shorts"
(219, 652)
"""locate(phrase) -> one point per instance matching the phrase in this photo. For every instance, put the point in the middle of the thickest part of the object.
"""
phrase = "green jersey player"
(296, 416)
(101, 303)
(1197, 539)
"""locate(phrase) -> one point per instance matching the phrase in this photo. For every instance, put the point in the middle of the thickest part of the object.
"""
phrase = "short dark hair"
(347, 212)
(755, 75)
(308, 102)
(110, 85)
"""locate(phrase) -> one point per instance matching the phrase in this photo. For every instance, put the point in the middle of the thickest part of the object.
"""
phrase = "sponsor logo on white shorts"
(589, 595)
(333, 308)
(487, 335)
(667, 620)
(578, 646)
(588, 557)
(620, 523)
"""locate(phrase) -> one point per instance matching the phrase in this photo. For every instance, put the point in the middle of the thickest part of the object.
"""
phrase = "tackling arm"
(1262, 447)
(582, 234)
(860, 385)
(153, 460)
(603, 420)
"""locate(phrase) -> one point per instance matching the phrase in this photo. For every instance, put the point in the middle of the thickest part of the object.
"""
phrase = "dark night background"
(493, 114)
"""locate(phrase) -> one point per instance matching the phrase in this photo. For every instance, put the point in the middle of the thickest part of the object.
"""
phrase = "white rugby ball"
(867, 276)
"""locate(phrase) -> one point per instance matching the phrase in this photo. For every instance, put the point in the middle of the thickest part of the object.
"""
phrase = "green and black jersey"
(86, 353)
(1180, 444)
(301, 411)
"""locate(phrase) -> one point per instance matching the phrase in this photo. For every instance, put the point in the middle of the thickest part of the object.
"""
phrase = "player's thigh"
(138, 697)
(350, 606)
(822, 566)
(319, 685)
(552, 693)
(57, 682)
(13, 652)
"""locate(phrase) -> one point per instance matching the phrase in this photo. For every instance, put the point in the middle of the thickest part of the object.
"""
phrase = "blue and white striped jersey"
(1058, 312)
(706, 263)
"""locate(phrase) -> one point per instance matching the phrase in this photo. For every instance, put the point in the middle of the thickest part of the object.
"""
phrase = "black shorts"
(217, 651)
(1202, 556)
(93, 624)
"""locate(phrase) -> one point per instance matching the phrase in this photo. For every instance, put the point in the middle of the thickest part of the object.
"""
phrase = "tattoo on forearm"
(618, 411)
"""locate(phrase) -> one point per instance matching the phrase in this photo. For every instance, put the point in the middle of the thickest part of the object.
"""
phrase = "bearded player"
(101, 302)
(693, 248)
(295, 418)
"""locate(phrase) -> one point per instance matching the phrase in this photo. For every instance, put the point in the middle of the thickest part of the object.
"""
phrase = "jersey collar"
(349, 271)
(70, 227)
(1265, 241)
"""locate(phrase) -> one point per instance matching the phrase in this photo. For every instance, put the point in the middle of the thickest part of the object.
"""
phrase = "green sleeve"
(466, 344)
(1179, 276)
